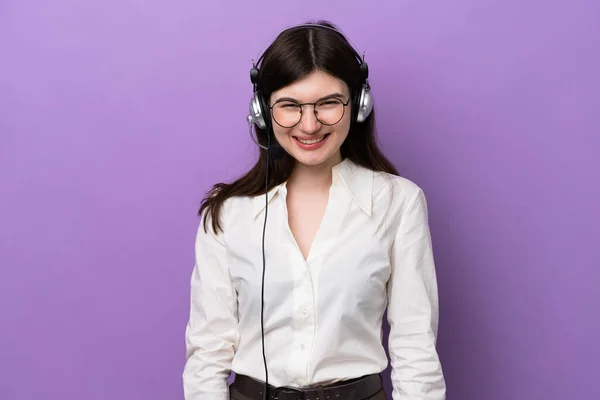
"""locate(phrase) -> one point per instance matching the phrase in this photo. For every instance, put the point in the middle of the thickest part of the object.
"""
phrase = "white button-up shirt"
(322, 315)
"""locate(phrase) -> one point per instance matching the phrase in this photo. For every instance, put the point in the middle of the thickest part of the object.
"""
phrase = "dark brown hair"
(293, 55)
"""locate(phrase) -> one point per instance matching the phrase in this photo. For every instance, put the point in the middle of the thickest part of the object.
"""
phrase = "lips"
(311, 143)
(311, 140)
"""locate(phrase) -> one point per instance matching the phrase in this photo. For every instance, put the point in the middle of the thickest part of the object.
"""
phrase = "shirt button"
(304, 311)
(302, 346)
(306, 274)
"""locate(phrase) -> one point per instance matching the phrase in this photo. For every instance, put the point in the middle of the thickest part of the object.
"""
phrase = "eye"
(328, 103)
(287, 104)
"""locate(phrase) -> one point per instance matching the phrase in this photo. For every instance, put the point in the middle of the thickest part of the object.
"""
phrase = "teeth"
(312, 141)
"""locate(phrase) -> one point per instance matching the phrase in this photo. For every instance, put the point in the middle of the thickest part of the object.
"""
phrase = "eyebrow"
(329, 96)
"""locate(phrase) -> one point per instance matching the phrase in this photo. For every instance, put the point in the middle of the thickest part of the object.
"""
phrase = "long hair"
(293, 55)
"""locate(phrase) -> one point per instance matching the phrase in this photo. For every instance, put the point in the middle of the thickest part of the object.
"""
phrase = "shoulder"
(397, 192)
(236, 209)
(230, 210)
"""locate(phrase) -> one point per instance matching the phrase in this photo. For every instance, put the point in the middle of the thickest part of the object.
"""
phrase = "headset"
(259, 110)
(260, 117)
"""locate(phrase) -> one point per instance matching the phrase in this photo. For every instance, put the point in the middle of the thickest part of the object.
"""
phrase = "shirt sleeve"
(413, 309)
(211, 334)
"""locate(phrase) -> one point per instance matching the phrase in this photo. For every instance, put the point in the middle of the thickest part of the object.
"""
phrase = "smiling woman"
(347, 237)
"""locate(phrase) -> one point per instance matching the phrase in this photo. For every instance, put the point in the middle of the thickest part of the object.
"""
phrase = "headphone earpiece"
(258, 111)
(364, 101)
(363, 104)
(258, 108)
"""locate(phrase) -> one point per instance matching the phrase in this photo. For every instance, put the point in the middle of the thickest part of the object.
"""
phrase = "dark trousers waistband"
(355, 389)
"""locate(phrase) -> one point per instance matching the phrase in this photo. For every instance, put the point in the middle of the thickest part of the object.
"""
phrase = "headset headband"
(361, 60)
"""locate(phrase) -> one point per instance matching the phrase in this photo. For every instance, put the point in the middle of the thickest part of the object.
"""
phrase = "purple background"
(117, 115)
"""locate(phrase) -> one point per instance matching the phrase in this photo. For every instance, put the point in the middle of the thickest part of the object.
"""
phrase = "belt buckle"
(282, 390)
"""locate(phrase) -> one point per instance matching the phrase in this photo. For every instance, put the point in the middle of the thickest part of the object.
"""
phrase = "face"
(315, 139)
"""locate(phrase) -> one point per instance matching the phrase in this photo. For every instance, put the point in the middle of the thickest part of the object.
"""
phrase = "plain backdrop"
(116, 116)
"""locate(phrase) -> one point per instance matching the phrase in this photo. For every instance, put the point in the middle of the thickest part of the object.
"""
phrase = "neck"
(313, 177)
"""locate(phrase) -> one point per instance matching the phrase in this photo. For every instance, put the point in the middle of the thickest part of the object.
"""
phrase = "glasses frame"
(301, 105)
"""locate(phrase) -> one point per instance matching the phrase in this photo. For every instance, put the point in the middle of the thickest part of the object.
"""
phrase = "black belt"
(360, 388)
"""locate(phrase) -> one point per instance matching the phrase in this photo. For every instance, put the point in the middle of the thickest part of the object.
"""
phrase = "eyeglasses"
(288, 113)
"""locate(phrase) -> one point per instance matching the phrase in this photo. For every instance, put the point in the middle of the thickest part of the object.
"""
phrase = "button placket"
(302, 321)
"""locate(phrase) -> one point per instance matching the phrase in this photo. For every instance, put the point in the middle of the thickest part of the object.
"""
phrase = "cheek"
(280, 133)
(344, 127)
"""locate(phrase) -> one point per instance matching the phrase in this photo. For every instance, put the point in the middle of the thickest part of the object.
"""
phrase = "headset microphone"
(276, 151)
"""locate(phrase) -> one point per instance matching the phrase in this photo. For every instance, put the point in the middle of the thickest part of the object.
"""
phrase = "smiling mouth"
(311, 141)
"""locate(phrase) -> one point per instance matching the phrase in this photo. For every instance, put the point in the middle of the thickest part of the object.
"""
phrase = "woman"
(294, 306)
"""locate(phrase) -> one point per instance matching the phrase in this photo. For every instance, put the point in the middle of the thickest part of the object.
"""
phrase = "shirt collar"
(259, 201)
(357, 180)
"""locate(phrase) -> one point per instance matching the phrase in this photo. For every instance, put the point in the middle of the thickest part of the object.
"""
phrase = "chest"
(305, 216)
(323, 246)
(330, 251)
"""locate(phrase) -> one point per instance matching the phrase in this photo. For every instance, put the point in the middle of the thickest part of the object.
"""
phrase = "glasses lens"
(329, 111)
(287, 113)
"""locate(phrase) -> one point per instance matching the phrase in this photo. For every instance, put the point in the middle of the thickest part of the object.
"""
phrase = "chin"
(309, 161)
(314, 158)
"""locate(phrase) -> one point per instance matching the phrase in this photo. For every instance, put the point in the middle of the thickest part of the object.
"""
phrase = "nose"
(308, 120)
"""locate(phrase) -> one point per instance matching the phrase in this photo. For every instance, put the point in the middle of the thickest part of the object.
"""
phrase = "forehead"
(314, 86)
